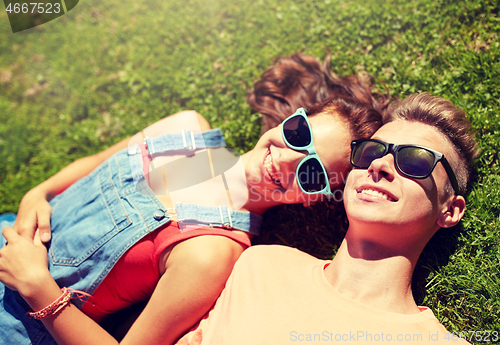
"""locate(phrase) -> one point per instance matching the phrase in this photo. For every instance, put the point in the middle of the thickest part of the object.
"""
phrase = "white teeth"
(268, 164)
(377, 194)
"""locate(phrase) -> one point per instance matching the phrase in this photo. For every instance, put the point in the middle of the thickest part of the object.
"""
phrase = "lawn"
(105, 70)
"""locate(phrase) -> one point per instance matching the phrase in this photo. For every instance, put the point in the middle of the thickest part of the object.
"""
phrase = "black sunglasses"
(412, 161)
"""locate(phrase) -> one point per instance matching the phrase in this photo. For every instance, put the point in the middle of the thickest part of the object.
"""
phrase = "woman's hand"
(23, 262)
(34, 213)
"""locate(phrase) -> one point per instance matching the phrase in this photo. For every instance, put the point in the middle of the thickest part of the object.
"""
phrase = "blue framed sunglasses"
(412, 161)
(311, 173)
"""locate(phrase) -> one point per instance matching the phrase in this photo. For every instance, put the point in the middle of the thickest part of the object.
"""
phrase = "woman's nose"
(289, 160)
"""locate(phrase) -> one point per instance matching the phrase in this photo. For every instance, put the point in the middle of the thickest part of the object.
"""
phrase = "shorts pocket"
(87, 215)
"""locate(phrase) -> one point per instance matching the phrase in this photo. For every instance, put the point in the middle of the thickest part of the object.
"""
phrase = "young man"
(407, 183)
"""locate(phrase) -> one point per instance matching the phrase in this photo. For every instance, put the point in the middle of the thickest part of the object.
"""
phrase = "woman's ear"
(453, 211)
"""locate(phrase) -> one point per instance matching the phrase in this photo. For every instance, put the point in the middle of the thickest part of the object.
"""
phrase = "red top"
(134, 277)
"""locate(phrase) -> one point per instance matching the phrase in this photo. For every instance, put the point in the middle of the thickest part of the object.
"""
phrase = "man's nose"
(383, 167)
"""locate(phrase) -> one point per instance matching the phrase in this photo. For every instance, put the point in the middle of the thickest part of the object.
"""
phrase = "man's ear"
(453, 211)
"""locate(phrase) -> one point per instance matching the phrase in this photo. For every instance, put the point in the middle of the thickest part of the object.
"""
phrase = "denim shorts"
(93, 223)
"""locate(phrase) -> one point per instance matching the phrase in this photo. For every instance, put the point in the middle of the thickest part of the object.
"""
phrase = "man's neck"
(363, 272)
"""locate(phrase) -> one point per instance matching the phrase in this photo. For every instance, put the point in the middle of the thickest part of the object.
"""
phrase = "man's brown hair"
(447, 119)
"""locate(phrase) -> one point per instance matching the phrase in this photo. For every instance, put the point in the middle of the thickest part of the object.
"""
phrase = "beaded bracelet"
(58, 304)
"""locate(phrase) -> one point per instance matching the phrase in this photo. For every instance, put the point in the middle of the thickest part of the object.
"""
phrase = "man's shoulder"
(277, 250)
(276, 254)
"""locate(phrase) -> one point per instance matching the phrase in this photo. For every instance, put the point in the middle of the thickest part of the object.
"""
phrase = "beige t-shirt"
(279, 295)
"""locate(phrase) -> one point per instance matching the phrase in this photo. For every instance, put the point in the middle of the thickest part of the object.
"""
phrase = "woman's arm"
(34, 209)
(196, 271)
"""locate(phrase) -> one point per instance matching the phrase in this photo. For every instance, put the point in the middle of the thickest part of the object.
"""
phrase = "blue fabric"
(7, 219)
(184, 141)
(94, 222)
(218, 217)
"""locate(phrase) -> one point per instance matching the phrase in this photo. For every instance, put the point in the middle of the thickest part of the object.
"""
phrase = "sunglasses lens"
(297, 132)
(364, 153)
(311, 176)
(415, 161)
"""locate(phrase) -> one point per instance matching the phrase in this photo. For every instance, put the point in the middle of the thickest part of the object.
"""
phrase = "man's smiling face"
(381, 195)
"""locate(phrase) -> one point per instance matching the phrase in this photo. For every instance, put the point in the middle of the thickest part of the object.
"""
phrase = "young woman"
(140, 221)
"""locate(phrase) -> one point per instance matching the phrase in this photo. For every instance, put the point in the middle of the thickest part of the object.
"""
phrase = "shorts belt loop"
(223, 223)
(191, 147)
(184, 138)
(193, 142)
(149, 146)
(221, 217)
(230, 220)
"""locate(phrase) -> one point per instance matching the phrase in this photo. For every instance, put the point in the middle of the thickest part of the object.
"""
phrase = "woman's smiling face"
(272, 165)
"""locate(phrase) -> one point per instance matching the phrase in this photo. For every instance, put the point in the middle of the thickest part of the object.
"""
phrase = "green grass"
(105, 70)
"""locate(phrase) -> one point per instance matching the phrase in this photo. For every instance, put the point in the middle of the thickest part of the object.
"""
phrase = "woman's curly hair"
(302, 80)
